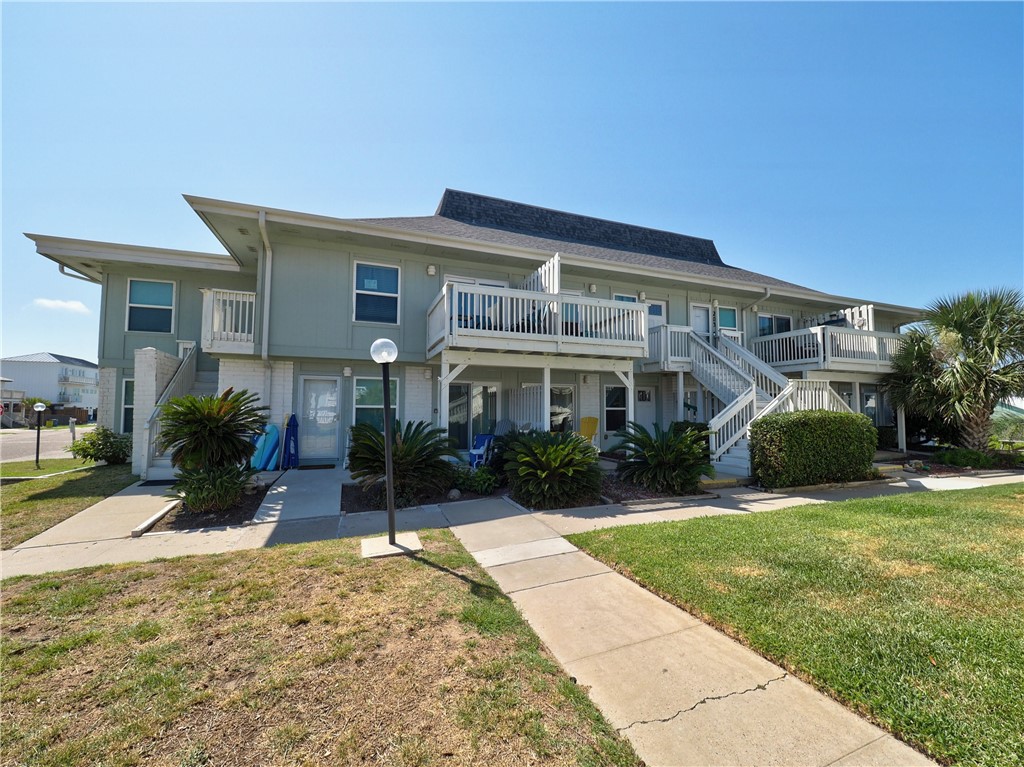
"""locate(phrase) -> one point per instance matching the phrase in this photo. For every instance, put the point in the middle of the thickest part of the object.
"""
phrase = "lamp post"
(39, 407)
(384, 352)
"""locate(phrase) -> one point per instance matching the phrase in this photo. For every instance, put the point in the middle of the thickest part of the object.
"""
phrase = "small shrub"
(551, 471)
(212, 488)
(482, 480)
(102, 444)
(962, 456)
(419, 456)
(667, 461)
(810, 447)
(211, 431)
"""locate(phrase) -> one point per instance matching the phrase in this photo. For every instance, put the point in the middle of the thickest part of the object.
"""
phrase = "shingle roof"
(476, 217)
(50, 357)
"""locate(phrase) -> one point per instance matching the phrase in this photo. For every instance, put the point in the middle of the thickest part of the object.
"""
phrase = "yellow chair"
(588, 428)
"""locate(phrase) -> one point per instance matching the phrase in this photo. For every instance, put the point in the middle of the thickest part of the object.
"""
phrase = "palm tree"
(965, 356)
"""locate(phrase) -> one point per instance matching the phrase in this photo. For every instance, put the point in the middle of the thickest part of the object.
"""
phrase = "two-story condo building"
(503, 313)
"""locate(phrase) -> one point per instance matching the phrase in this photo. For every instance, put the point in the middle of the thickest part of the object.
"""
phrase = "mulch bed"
(355, 501)
(181, 518)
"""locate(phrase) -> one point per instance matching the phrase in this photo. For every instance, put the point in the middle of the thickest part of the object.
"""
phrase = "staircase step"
(207, 376)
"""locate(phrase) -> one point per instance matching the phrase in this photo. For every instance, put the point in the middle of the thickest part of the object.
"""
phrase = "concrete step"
(207, 376)
(161, 469)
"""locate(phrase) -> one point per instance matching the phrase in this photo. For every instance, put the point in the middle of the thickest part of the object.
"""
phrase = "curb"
(831, 485)
(141, 530)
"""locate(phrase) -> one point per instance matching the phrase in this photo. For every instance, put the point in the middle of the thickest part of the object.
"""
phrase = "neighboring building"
(502, 312)
(13, 402)
(67, 382)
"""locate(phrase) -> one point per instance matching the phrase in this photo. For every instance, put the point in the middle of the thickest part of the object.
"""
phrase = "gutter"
(767, 292)
(84, 278)
(268, 270)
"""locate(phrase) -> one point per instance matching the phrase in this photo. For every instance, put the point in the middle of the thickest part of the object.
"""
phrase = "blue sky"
(869, 150)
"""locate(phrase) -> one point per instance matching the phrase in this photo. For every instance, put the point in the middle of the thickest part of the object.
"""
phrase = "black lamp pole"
(39, 430)
(388, 467)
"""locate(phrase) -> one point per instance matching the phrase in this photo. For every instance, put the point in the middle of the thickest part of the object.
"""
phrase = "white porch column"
(700, 403)
(856, 398)
(545, 399)
(680, 396)
(627, 379)
(442, 397)
(901, 430)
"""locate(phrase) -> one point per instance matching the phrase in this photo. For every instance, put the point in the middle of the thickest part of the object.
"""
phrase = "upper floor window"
(376, 293)
(770, 324)
(727, 318)
(150, 306)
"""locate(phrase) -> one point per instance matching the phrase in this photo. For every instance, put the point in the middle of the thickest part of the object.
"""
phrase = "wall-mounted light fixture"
(714, 303)
(431, 270)
(642, 296)
(592, 288)
(346, 371)
(586, 379)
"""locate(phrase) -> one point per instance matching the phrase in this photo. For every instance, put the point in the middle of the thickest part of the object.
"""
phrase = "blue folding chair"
(480, 452)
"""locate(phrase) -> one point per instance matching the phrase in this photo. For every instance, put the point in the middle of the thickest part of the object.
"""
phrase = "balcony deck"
(474, 317)
(229, 321)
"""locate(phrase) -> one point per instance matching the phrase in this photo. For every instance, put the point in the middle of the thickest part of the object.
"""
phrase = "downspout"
(63, 270)
(265, 337)
(767, 292)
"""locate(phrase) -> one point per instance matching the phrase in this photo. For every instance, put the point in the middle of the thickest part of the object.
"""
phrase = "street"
(20, 444)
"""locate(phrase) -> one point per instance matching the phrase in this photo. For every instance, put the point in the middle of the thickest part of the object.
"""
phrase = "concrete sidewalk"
(683, 693)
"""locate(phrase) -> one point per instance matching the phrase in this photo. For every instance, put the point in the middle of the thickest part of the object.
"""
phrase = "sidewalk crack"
(701, 702)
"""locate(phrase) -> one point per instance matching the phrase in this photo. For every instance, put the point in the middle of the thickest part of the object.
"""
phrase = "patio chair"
(588, 428)
(504, 426)
(481, 450)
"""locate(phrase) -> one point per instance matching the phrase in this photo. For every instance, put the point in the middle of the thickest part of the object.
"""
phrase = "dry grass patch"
(291, 655)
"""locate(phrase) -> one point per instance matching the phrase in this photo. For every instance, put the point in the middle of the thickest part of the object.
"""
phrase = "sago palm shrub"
(665, 460)
(210, 439)
(552, 471)
(419, 455)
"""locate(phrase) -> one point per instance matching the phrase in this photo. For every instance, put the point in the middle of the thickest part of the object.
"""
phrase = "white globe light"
(39, 407)
(383, 350)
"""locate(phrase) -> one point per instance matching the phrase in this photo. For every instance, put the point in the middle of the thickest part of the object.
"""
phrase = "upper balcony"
(71, 377)
(229, 321)
(828, 348)
(471, 317)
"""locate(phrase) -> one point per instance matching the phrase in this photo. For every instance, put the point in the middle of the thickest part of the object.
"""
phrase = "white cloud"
(77, 307)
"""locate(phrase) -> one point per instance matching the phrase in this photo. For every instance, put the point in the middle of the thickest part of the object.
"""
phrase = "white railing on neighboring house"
(179, 385)
(229, 320)
(806, 395)
(828, 346)
(480, 316)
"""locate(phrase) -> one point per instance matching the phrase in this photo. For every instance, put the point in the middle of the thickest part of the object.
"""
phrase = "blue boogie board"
(267, 446)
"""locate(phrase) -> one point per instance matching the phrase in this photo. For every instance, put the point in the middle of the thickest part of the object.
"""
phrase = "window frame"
(626, 298)
(718, 318)
(128, 305)
(773, 317)
(356, 291)
(356, 407)
(124, 407)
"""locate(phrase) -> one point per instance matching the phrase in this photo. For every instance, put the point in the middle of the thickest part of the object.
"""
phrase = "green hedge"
(811, 447)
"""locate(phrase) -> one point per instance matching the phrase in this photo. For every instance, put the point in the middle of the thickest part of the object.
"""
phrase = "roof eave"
(71, 252)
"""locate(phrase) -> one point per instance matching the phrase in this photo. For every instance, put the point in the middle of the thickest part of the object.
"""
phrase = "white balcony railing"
(507, 319)
(229, 321)
(827, 347)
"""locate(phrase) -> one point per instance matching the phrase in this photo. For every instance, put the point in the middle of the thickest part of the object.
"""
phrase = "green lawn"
(291, 655)
(46, 466)
(28, 508)
(909, 609)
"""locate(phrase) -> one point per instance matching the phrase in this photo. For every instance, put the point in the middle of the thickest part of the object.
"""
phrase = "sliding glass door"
(472, 410)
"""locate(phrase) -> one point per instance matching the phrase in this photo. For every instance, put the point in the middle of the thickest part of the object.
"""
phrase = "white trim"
(664, 312)
(483, 281)
(711, 317)
(356, 291)
(718, 323)
(128, 305)
(59, 248)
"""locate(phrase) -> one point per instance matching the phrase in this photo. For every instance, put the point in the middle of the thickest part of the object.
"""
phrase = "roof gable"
(495, 213)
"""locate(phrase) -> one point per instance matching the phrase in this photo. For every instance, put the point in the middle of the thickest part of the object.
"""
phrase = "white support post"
(545, 399)
(856, 398)
(700, 403)
(627, 379)
(901, 430)
(680, 396)
(442, 397)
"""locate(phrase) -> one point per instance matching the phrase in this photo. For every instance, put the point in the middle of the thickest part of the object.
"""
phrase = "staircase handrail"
(179, 385)
(721, 359)
(786, 396)
(758, 369)
(729, 426)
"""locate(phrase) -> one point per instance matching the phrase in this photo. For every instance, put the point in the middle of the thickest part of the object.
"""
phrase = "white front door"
(656, 311)
(646, 408)
(700, 319)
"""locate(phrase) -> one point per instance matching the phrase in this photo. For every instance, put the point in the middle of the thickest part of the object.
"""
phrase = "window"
(128, 405)
(370, 401)
(614, 407)
(770, 324)
(150, 306)
(627, 297)
(727, 318)
(376, 294)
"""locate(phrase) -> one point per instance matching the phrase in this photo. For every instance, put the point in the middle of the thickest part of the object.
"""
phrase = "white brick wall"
(105, 415)
(419, 395)
(153, 371)
(251, 375)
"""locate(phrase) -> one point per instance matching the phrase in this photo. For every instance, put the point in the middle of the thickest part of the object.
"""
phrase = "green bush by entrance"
(811, 447)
